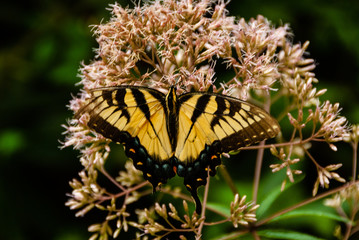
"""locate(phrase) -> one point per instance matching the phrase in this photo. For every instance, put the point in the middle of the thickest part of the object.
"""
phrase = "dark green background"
(42, 45)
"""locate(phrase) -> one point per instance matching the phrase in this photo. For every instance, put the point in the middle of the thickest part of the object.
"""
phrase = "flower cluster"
(182, 43)
(324, 176)
(149, 226)
(241, 212)
(286, 163)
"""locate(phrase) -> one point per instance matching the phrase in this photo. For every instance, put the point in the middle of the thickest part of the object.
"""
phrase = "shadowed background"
(42, 45)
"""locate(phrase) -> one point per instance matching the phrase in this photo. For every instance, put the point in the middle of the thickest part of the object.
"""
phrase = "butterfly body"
(173, 134)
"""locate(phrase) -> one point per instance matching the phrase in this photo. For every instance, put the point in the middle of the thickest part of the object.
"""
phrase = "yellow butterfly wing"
(135, 117)
(206, 118)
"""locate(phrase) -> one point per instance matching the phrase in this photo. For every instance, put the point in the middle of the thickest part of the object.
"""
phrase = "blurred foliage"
(42, 45)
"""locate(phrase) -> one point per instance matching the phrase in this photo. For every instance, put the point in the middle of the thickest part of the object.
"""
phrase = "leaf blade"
(271, 197)
(286, 234)
(310, 213)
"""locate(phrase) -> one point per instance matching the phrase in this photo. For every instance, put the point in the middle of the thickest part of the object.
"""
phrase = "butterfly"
(169, 134)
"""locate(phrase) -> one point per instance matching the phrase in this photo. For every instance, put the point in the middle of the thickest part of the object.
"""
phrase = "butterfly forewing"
(137, 111)
(205, 118)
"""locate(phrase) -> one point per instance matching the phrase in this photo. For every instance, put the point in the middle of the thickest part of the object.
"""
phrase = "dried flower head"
(333, 127)
(286, 164)
(149, 225)
(242, 213)
(324, 176)
(353, 135)
(351, 194)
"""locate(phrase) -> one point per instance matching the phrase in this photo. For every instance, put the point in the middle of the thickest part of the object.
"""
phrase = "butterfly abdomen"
(172, 116)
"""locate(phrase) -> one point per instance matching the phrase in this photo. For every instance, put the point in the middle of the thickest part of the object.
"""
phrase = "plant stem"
(259, 160)
(255, 235)
(203, 213)
(257, 172)
(216, 223)
(354, 210)
(223, 170)
(300, 142)
(349, 226)
(311, 158)
(104, 172)
(144, 183)
(205, 196)
(355, 160)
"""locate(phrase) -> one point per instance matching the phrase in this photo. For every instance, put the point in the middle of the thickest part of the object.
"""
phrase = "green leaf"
(220, 208)
(271, 197)
(233, 236)
(286, 234)
(311, 213)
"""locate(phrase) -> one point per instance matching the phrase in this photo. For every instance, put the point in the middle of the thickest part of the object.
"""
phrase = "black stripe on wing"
(141, 103)
(198, 111)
